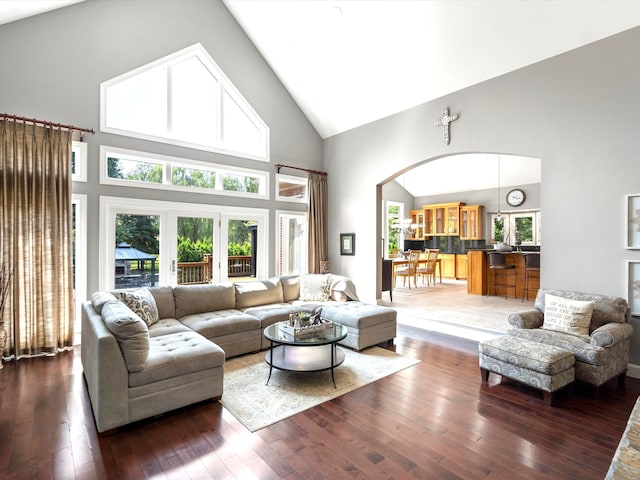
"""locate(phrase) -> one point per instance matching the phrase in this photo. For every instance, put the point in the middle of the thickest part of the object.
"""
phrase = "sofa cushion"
(98, 300)
(221, 322)
(358, 315)
(290, 287)
(567, 315)
(164, 301)
(275, 312)
(165, 326)
(315, 288)
(258, 292)
(192, 299)
(177, 354)
(142, 303)
(130, 331)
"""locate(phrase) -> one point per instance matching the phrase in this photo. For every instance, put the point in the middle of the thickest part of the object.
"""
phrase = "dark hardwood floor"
(431, 421)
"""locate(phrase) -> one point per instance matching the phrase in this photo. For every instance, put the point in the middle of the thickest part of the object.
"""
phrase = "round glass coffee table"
(312, 353)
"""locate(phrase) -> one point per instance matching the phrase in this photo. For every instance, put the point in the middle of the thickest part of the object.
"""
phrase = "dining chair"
(429, 268)
(409, 270)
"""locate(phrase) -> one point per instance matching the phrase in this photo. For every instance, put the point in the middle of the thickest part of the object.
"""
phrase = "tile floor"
(448, 308)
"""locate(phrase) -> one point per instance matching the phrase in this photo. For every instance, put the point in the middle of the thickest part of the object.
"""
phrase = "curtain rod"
(279, 166)
(34, 121)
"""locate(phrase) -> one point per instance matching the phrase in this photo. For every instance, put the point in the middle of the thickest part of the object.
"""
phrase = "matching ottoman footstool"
(541, 366)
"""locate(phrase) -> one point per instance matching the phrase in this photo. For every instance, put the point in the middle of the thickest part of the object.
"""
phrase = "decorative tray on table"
(298, 328)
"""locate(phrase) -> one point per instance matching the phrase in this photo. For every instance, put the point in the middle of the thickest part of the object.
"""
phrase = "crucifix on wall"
(444, 122)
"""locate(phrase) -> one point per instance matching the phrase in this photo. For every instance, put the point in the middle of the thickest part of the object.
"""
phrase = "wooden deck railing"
(239, 266)
(200, 272)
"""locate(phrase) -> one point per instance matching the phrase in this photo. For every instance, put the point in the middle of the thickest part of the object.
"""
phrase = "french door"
(148, 243)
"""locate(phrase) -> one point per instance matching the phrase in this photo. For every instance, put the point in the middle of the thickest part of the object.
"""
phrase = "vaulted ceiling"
(350, 62)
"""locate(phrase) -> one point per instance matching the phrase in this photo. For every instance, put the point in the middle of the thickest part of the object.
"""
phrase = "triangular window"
(184, 99)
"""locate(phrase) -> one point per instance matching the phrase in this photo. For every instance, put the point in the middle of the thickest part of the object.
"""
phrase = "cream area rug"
(257, 405)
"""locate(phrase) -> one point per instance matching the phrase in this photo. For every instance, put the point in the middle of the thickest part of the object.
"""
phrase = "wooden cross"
(444, 122)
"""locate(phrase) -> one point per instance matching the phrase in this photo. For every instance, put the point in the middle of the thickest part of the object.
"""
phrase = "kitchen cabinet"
(446, 218)
(471, 222)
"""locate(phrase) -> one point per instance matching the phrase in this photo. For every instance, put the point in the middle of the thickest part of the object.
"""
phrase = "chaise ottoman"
(541, 366)
(367, 324)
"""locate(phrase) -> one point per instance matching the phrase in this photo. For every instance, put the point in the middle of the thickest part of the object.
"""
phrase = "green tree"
(190, 177)
(241, 184)
(114, 169)
(139, 231)
(146, 172)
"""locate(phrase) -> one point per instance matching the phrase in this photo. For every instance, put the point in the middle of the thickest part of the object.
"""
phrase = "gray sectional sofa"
(149, 351)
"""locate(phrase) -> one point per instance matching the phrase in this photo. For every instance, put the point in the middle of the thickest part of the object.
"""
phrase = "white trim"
(111, 206)
(224, 84)
(80, 201)
(80, 150)
(633, 370)
(167, 162)
(295, 180)
(278, 252)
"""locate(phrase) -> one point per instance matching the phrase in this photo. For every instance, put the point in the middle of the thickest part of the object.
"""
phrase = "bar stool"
(498, 262)
(531, 266)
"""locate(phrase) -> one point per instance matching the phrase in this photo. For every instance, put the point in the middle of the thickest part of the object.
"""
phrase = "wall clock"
(516, 197)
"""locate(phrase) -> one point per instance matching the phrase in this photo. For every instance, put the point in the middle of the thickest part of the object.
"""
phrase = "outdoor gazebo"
(125, 254)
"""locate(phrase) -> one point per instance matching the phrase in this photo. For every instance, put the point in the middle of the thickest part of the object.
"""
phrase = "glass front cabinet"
(471, 222)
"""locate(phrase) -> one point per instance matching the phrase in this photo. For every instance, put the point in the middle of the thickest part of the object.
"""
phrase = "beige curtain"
(317, 217)
(35, 237)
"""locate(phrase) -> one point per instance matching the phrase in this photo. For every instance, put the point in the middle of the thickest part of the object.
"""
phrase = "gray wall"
(52, 66)
(488, 198)
(578, 112)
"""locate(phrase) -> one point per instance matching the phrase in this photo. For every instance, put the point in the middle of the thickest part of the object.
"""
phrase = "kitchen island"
(478, 274)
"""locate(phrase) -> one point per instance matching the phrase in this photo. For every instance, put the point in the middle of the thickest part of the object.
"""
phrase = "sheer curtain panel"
(317, 217)
(35, 237)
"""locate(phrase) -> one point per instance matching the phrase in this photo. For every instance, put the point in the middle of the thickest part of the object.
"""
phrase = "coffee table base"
(295, 358)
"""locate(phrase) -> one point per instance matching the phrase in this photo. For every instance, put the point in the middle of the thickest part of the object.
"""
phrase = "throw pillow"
(567, 316)
(131, 333)
(314, 288)
(98, 299)
(142, 303)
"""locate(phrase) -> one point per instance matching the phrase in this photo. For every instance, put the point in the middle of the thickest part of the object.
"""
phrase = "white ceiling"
(478, 171)
(12, 10)
(350, 62)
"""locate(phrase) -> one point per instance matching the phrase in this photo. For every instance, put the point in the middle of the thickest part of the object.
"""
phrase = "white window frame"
(224, 85)
(166, 162)
(80, 291)
(112, 206)
(296, 180)
(280, 214)
(385, 222)
(80, 150)
(509, 219)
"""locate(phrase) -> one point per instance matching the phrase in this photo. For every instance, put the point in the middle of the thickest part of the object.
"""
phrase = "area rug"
(257, 405)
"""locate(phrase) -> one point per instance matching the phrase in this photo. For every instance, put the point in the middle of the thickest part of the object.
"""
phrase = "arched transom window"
(184, 99)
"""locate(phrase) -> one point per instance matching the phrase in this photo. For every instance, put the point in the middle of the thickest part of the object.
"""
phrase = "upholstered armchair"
(600, 355)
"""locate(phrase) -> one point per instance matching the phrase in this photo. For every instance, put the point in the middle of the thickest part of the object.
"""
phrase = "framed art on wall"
(633, 221)
(347, 244)
(633, 286)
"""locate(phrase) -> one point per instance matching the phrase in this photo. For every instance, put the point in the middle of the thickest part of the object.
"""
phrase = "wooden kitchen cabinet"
(471, 222)
(417, 225)
(461, 266)
(446, 218)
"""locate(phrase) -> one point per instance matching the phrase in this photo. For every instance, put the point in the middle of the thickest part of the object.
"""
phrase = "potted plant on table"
(5, 282)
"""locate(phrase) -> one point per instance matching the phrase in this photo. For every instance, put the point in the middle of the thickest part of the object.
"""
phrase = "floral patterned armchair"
(600, 356)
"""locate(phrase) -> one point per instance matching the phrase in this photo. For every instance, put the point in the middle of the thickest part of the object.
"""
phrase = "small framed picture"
(347, 244)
